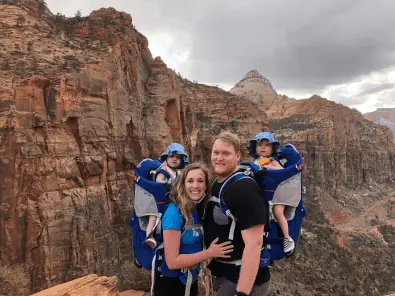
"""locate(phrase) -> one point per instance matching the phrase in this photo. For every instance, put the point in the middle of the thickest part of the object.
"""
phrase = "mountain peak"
(255, 74)
(256, 87)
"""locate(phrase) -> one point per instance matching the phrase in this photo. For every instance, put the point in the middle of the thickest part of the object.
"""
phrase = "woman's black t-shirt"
(245, 202)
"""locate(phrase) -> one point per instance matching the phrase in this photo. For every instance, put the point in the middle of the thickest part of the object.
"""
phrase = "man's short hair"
(230, 138)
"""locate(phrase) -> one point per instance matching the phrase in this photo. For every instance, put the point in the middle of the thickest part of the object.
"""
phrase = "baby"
(173, 160)
(265, 151)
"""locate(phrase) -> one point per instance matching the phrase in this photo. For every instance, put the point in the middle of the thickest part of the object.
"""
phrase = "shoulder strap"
(236, 177)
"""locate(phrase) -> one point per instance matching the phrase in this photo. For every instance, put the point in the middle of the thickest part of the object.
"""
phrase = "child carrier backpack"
(273, 184)
(151, 198)
(277, 184)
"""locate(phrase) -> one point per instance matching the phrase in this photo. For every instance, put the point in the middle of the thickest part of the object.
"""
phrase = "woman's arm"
(175, 260)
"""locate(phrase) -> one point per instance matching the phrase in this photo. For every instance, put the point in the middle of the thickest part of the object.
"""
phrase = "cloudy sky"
(343, 50)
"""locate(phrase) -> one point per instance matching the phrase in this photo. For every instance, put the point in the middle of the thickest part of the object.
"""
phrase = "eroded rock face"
(68, 145)
(72, 130)
(338, 143)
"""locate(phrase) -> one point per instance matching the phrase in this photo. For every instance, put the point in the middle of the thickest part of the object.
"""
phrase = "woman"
(183, 237)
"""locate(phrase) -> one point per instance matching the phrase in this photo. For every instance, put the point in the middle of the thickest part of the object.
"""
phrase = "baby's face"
(174, 160)
(264, 148)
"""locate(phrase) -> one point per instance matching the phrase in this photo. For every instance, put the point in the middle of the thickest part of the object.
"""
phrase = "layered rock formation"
(82, 101)
(383, 116)
(336, 141)
(349, 229)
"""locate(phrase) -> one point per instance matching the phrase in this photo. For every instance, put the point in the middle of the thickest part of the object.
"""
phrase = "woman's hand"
(220, 250)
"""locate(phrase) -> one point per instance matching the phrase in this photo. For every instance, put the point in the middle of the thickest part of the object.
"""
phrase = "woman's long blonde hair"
(179, 195)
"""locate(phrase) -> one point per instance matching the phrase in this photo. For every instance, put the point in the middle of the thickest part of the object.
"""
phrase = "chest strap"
(229, 214)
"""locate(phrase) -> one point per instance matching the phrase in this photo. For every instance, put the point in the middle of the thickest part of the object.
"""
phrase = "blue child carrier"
(277, 184)
(151, 199)
(273, 184)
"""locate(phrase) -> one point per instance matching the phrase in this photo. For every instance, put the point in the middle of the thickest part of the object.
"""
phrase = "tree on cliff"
(41, 6)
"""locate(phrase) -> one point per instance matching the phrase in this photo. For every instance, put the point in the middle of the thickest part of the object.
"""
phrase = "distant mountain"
(387, 123)
(256, 87)
(383, 116)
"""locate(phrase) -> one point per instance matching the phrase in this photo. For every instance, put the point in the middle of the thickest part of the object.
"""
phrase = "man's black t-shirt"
(245, 202)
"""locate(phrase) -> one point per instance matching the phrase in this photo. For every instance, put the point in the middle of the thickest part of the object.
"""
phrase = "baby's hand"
(300, 167)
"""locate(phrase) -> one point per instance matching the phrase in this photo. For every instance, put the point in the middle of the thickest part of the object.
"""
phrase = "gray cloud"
(339, 97)
(363, 91)
(297, 44)
(302, 45)
(368, 89)
(386, 98)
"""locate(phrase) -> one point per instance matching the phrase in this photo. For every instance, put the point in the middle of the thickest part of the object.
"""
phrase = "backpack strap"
(159, 255)
(236, 177)
(153, 265)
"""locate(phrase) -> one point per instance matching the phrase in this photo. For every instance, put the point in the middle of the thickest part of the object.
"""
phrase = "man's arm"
(253, 240)
(246, 203)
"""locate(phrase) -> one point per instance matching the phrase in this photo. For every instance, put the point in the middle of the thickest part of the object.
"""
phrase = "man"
(244, 201)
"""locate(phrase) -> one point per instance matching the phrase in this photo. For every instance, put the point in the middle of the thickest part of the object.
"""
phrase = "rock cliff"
(82, 101)
(336, 141)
